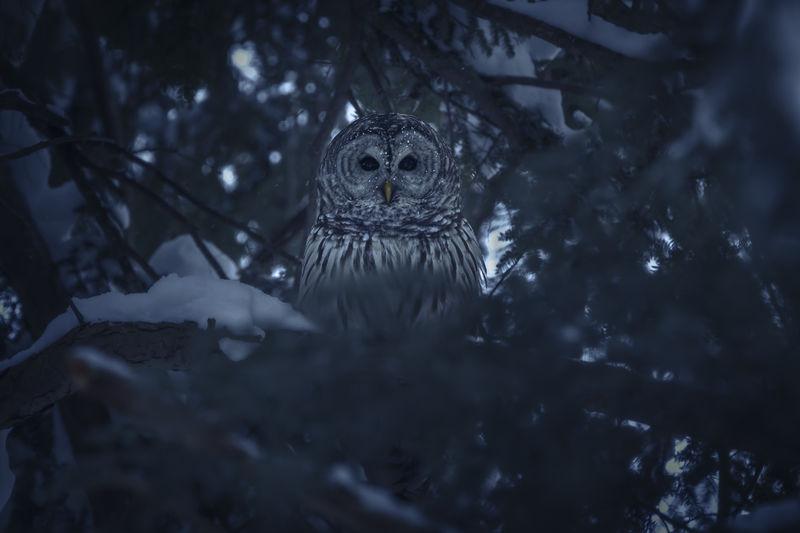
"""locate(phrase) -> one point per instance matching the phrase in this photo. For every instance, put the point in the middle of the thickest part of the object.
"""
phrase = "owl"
(390, 245)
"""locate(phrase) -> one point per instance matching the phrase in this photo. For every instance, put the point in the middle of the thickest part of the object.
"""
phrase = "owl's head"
(388, 173)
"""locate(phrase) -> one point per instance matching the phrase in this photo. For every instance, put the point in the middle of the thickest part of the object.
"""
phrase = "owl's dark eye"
(409, 162)
(368, 163)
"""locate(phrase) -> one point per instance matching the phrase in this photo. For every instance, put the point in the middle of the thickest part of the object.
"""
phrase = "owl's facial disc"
(390, 173)
(415, 163)
(361, 167)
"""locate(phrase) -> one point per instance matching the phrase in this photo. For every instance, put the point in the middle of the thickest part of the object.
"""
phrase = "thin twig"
(76, 312)
(166, 206)
(523, 24)
(106, 223)
(15, 100)
(344, 76)
(487, 154)
(28, 150)
(285, 232)
(182, 191)
(341, 87)
(543, 84)
(355, 104)
(52, 125)
(505, 275)
(130, 156)
(168, 150)
(450, 136)
(201, 245)
(376, 82)
(454, 72)
(446, 95)
(495, 182)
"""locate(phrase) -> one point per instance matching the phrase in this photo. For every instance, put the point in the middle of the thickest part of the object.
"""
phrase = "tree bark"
(42, 380)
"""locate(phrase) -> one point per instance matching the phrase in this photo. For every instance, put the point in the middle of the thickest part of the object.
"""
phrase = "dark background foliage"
(635, 363)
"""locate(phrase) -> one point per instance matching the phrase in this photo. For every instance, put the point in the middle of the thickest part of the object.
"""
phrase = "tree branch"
(465, 79)
(544, 84)
(376, 81)
(341, 90)
(15, 100)
(287, 230)
(670, 408)
(505, 274)
(37, 383)
(182, 191)
(35, 278)
(354, 102)
(654, 18)
(527, 25)
(52, 125)
(95, 70)
(167, 207)
(28, 150)
(125, 251)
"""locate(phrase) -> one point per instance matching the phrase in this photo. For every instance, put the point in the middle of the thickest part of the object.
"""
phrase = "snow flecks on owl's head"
(388, 174)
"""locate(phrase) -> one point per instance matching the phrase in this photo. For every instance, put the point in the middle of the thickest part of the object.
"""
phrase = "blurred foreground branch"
(41, 380)
(672, 409)
(339, 497)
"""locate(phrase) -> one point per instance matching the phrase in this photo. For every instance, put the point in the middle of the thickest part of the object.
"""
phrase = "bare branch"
(376, 81)
(341, 88)
(109, 227)
(655, 18)
(209, 257)
(528, 25)
(28, 150)
(15, 100)
(465, 79)
(505, 275)
(544, 84)
(292, 225)
(182, 191)
(23, 105)
(52, 125)
(355, 104)
(166, 206)
(35, 279)
(98, 78)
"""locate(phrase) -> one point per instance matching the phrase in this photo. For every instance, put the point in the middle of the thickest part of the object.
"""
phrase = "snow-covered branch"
(42, 379)
(176, 320)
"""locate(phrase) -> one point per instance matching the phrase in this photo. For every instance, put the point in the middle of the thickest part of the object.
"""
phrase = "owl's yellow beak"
(387, 191)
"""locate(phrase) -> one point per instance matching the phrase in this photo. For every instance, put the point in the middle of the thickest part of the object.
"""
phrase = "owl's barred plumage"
(389, 238)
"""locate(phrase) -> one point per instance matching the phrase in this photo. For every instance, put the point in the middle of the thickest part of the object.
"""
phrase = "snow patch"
(494, 244)
(181, 256)
(527, 50)
(241, 309)
(570, 16)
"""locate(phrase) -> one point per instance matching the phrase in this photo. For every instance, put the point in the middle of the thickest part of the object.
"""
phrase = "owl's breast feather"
(431, 271)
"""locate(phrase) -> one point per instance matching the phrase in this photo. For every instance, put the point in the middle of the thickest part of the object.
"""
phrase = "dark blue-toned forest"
(627, 362)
